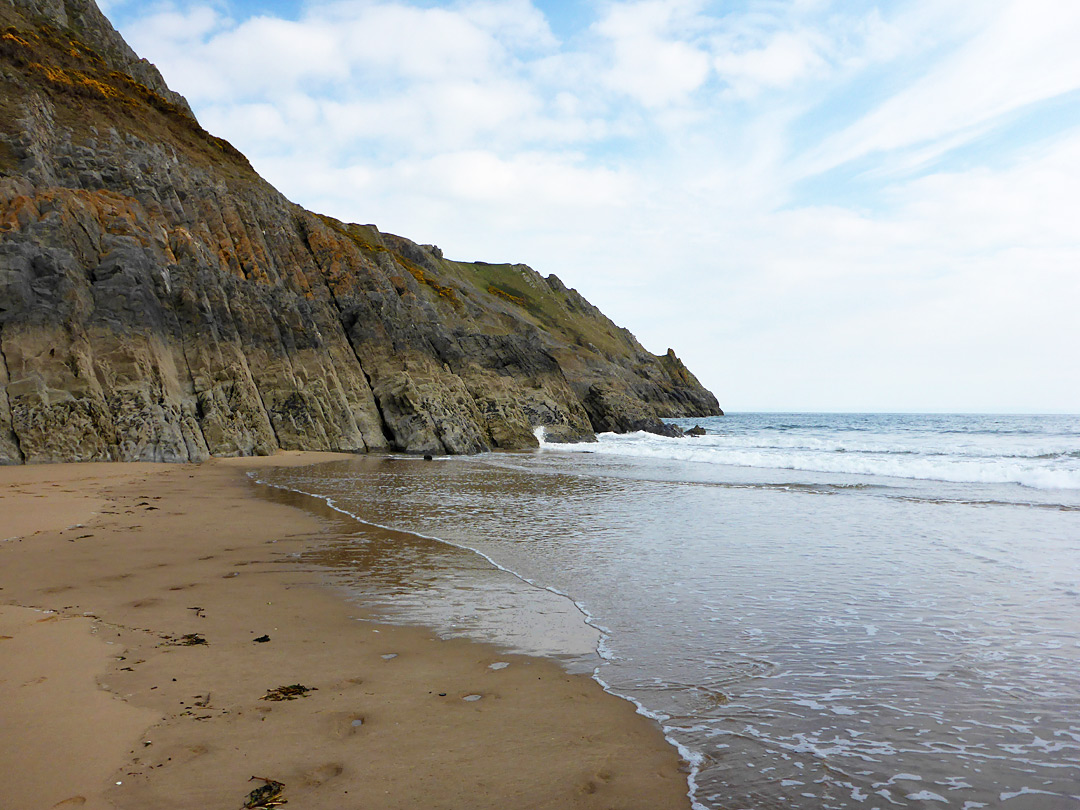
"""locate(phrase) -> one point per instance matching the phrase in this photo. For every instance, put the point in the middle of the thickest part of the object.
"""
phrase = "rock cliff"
(160, 301)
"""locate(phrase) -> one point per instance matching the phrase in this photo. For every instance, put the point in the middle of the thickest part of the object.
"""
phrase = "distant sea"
(822, 610)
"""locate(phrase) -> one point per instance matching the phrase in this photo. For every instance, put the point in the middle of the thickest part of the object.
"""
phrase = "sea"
(820, 610)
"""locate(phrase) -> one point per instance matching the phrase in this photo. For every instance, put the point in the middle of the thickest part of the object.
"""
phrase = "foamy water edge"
(896, 463)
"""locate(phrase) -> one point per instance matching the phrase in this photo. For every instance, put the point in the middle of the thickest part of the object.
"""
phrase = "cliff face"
(160, 301)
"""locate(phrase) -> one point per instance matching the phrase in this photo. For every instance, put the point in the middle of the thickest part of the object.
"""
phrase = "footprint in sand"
(321, 774)
(343, 725)
(190, 753)
(347, 683)
(74, 801)
(590, 786)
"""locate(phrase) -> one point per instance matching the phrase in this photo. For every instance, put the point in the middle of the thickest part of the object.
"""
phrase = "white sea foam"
(926, 796)
(980, 464)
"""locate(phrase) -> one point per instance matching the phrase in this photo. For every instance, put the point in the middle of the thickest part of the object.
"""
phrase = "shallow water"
(820, 637)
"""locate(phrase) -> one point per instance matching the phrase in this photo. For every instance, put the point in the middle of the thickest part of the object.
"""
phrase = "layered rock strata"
(160, 301)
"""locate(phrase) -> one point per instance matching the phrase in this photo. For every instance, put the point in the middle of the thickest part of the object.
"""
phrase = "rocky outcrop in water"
(160, 301)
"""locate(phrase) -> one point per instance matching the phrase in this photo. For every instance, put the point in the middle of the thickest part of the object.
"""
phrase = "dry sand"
(102, 705)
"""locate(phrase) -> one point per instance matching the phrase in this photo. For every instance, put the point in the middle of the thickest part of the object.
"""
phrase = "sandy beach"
(112, 577)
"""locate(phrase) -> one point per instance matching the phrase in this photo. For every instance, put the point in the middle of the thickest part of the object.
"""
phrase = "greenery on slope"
(90, 93)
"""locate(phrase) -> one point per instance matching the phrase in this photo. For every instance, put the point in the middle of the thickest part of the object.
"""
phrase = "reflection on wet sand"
(407, 578)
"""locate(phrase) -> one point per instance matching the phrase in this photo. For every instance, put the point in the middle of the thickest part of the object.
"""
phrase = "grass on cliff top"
(529, 295)
(517, 288)
(365, 237)
(87, 92)
(368, 239)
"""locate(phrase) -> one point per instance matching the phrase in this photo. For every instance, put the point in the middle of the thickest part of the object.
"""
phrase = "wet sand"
(105, 569)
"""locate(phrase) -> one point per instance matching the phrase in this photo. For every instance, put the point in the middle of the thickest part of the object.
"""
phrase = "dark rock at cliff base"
(611, 410)
(696, 430)
(559, 434)
(160, 301)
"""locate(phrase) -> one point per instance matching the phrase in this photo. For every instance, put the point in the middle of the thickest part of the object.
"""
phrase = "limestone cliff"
(160, 301)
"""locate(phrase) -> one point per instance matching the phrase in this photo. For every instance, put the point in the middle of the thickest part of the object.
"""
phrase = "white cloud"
(483, 176)
(169, 28)
(784, 60)
(420, 43)
(649, 61)
(517, 23)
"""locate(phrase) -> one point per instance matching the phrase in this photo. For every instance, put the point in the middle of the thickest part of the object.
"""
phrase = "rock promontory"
(160, 301)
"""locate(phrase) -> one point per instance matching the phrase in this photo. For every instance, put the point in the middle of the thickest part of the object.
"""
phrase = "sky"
(820, 206)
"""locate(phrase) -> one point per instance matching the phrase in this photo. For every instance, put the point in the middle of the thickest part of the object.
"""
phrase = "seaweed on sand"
(291, 692)
(266, 795)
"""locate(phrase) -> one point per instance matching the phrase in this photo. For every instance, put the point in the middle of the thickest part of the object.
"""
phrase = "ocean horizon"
(820, 610)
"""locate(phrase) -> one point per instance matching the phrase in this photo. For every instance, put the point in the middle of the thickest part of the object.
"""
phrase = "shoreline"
(155, 553)
(598, 635)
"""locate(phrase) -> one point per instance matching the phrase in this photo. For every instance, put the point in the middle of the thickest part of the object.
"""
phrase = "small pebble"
(388, 656)
(357, 722)
(471, 698)
(499, 665)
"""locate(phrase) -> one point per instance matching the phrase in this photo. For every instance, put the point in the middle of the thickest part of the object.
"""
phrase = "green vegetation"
(421, 276)
(96, 95)
(364, 237)
(8, 160)
(545, 305)
(503, 294)
(360, 235)
(78, 81)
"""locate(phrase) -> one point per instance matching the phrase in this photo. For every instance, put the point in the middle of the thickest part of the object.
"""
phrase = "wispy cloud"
(1022, 53)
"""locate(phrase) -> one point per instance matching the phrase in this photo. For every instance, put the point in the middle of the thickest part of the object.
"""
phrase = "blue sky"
(819, 205)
